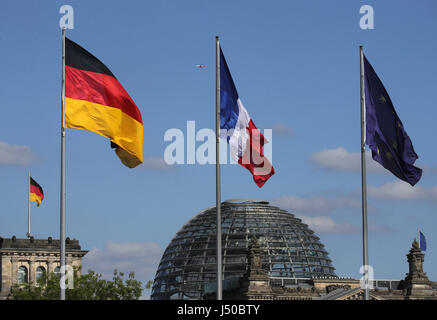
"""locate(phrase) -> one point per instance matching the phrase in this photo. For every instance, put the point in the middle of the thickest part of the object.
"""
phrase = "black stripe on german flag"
(36, 192)
(79, 58)
(96, 101)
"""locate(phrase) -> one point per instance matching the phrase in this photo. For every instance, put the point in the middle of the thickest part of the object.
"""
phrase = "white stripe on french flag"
(245, 140)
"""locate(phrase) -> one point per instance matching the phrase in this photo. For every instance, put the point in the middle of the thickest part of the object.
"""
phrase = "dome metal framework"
(291, 249)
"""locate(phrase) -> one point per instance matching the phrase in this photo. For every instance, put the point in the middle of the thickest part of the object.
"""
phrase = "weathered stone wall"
(31, 254)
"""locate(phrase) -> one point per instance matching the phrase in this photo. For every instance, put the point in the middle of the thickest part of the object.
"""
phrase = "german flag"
(96, 101)
(35, 192)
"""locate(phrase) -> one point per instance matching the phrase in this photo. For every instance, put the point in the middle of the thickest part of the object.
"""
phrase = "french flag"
(245, 140)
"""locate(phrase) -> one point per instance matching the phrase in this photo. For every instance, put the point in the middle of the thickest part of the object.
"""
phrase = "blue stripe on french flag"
(245, 140)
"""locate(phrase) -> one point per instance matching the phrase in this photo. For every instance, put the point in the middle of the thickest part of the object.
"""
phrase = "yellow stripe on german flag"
(96, 101)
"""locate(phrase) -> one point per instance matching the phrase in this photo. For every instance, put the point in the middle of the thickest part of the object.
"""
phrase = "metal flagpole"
(363, 178)
(217, 172)
(62, 205)
(28, 207)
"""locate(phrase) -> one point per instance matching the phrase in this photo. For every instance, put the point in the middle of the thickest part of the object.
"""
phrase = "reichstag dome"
(291, 249)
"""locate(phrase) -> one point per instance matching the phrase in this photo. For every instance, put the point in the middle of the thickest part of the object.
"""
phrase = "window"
(57, 271)
(22, 275)
(40, 273)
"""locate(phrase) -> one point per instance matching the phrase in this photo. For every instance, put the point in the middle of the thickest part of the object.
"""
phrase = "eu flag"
(422, 241)
(385, 134)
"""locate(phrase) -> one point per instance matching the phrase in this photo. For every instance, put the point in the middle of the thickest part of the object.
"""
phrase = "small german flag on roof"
(35, 191)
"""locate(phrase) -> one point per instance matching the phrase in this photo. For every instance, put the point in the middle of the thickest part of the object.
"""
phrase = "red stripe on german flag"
(96, 101)
(35, 192)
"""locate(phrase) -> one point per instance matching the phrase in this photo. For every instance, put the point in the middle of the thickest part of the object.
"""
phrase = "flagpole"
(363, 178)
(217, 172)
(62, 204)
(28, 207)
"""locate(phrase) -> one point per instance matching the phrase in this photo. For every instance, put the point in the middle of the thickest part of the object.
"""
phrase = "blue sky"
(296, 68)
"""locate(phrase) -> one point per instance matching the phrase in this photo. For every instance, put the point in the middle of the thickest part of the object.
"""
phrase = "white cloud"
(399, 190)
(314, 210)
(141, 258)
(282, 130)
(316, 204)
(427, 170)
(155, 164)
(325, 224)
(16, 155)
(339, 159)
(375, 228)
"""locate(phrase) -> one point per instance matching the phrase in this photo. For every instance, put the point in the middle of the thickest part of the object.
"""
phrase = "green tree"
(90, 286)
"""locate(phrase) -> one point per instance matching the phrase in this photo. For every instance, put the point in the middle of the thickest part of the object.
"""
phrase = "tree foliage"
(90, 286)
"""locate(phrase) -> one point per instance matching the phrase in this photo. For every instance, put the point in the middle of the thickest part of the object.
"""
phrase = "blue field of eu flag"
(385, 134)
(422, 241)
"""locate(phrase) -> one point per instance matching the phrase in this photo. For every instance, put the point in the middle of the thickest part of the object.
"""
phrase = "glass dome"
(291, 249)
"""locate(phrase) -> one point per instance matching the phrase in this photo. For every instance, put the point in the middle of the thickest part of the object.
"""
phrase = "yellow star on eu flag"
(382, 99)
(388, 155)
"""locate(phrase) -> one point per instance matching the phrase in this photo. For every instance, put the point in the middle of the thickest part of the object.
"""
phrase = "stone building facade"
(257, 285)
(25, 260)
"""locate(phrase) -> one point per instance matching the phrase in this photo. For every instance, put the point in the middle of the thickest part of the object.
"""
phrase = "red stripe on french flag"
(253, 158)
